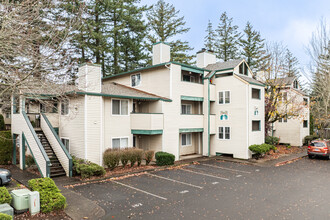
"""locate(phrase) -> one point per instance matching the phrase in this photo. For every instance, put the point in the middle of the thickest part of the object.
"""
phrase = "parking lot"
(218, 190)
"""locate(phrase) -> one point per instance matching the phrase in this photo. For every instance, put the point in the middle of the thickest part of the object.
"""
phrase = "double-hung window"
(186, 109)
(136, 79)
(65, 107)
(224, 97)
(224, 133)
(119, 107)
(66, 143)
(119, 143)
(186, 139)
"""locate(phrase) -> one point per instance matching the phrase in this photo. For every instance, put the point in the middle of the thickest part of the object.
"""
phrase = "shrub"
(6, 147)
(86, 168)
(75, 163)
(272, 140)
(148, 155)
(5, 197)
(164, 158)
(139, 156)
(51, 198)
(29, 160)
(131, 152)
(309, 138)
(2, 123)
(260, 149)
(124, 157)
(4, 216)
(111, 158)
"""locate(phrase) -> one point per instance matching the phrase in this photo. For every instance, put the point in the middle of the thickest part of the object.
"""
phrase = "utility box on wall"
(34, 202)
(20, 200)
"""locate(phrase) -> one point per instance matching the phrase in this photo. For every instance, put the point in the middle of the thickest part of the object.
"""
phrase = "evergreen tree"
(165, 24)
(252, 46)
(291, 65)
(227, 39)
(209, 39)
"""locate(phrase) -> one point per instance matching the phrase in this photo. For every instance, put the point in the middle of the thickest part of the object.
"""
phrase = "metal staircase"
(56, 168)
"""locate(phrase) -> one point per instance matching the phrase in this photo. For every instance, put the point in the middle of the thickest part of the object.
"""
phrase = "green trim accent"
(14, 149)
(122, 96)
(189, 69)
(159, 42)
(23, 151)
(142, 113)
(34, 134)
(224, 74)
(27, 143)
(216, 71)
(190, 130)
(192, 98)
(218, 154)
(57, 130)
(189, 66)
(257, 84)
(149, 132)
(191, 114)
(208, 117)
(60, 143)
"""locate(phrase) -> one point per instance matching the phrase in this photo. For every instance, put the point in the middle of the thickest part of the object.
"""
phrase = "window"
(256, 126)
(118, 143)
(186, 139)
(295, 84)
(54, 108)
(65, 107)
(186, 109)
(224, 97)
(224, 133)
(255, 93)
(243, 69)
(66, 143)
(305, 124)
(305, 101)
(136, 79)
(284, 119)
(7, 115)
(119, 107)
(188, 78)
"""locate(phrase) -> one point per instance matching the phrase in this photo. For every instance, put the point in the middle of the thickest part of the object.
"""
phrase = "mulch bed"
(59, 215)
(282, 150)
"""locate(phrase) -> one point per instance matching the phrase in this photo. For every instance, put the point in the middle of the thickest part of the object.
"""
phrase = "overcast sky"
(290, 22)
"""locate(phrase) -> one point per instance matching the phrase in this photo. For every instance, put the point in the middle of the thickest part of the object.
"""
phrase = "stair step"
(57, 174)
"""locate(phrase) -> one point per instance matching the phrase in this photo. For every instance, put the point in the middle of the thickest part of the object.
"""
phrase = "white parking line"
(224, 168)
(176, 181)
(140, 190)
(204, 174)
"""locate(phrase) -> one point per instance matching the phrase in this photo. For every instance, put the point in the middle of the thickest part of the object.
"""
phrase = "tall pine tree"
(252, 47)
(165, 24)
(209, 39)
(291, 65)
(227, 41)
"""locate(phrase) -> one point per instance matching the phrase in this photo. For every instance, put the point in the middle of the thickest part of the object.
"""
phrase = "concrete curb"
(289, 161)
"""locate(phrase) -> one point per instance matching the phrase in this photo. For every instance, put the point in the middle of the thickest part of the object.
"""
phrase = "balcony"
(212, 124)
(191, 121)
(147, 123)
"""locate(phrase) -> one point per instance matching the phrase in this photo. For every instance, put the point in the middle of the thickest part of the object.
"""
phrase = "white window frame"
(186, 145)
(120, 100)
(224, 133)
(224, 97)
(68, 103)
(65, 138)
(186, 108)
(133, 75)
(120, 147)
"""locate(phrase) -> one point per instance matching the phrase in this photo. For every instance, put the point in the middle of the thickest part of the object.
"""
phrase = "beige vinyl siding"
(149, 142)
(54, 119)
(72, 126)
(55, 146)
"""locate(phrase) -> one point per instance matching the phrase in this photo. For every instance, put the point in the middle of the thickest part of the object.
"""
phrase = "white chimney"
(161, 53)
(205, 57)
(90, 77)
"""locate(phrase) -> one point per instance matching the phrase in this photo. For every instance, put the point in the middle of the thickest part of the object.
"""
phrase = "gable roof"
(250, 80)
(231, 64)
(285, 81)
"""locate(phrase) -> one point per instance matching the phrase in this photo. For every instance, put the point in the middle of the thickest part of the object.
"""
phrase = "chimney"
(205, 57)
(89, 77)
(161, 53)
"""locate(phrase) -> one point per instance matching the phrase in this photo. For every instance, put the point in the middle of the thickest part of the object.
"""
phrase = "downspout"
(208, 116)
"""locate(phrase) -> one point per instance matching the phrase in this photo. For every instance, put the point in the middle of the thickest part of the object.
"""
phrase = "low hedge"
(164, 158)
(6, 147)
(148, 155)
(272, 140)
(51, 198)
(5, 197)
(111, 158)
(260, 149)
(86, 169)
(4, 216)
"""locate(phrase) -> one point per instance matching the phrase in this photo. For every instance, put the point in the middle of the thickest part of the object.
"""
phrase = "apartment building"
(209, 109)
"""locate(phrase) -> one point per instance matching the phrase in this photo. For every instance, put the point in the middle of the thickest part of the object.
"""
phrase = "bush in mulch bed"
(272, 140)
(260, 149)
(148, 155)
(5, 197)
(164, 158)
(86, 168)
(5, 216)
(111, 158)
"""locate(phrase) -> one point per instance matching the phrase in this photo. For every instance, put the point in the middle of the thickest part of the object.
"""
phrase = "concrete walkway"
(78, 207)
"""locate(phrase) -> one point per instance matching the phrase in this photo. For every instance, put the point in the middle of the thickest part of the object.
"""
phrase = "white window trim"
(119, 141)
(120, 115)
(68, 108)
(140, 79)
(224, 133)
(69, 142)
(224, 97)
(186, 141)
(190, 109)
